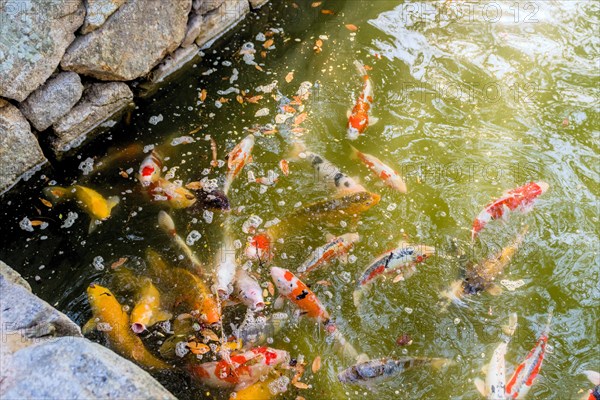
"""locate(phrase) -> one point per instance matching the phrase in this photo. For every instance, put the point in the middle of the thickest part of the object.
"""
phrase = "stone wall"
(66, 66)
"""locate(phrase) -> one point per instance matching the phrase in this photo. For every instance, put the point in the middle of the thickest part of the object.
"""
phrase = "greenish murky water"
(472, 100)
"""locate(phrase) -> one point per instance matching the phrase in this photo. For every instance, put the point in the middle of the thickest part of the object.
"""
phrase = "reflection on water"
(472, 99)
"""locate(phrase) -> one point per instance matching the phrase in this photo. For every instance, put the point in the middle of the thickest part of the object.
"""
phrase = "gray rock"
(76, 368)
(194, 27)
(26, 318)
(52, 100)
(33, 38)
(13, 276)
(97, 11)
(255, 4)
(20, 153)
(173, 63)
(131, 42)
(220, 20)
(100, 103)
(204, 6)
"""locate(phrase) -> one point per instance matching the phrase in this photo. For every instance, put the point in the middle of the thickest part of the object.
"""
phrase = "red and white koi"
(521, 198)
(237, 159)
(524, 376)
(248, 290)
(258, 248)
(358, 118)
(298, 293)
(240, 370)
(594, 377)
(150, 169)
(336, 247)
(401, 260)
(494, 387)
(384, 172)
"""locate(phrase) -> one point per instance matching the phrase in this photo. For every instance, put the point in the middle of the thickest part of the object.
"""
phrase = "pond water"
(472, 100)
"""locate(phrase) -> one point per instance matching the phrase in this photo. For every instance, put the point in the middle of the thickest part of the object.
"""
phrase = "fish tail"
(548, 322)
(345, 348)
(360, 67)
(354, 153)
(56, 194)
(357, 296)
(509, 330)
(297, 148)
(226, 186)
(439, 363)
(454, 294)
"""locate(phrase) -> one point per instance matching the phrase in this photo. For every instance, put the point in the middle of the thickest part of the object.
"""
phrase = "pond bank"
(70, 69)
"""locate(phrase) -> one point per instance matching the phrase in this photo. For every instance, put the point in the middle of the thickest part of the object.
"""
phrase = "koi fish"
(594, 377)
(494, 387)
(166, 223)
(187, 288)
(94, 204)
(150, 169)
(337, 247)
(260, 390)
(237, 159)
(259, 248)
(109, 317)
(332, 175)
(367, 371)
(482, 276)
(358, 118)
(298, 293)
(241, 370)
(175, 195)
(387, 174)
(226, 267)
(147, 310)
(524, 376)
(521, 198)
(404, 258)
(248, 290)
(351, 204)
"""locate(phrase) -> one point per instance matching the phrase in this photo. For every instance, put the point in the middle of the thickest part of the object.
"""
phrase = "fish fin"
(485, 369)
(543, 185)
(162, 315)
(93, 225)
(297, 148)
(439, 363)
(373, 120)
(357, 296)
(112, 201)
(278, 303)
(363, 357)
(89, 326)
(480, 385)
(593, 376)
(329, 237)
(360, 68)
(494, 290)
(56, 194)
(354, 153)
(348, 113)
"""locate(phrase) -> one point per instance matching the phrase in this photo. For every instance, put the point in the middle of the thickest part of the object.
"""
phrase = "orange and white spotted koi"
(240, 370)
(337, 247)
(237, 159)
(358, 118)
(386, 173)
(150, 169)
(524, 376)
(521, 198)
(298, 293)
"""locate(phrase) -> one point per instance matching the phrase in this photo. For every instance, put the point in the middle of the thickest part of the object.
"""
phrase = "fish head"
(285, 281)
(361, 201)
(100, 298)
(214, 200)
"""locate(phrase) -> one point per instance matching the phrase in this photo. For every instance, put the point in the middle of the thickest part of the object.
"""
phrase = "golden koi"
(237, 159)
(147, 310)
(97, 207)
(109, 317)
(387, 174)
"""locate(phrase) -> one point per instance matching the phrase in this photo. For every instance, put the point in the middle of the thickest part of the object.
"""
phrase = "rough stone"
(256, 4)
(174, 62)
(194, 27)
(100, 102)
(20, 153)
(76, 368)
(220, 20)
(52, 100)
(204, 6)
(131, 42)
(97, 11)
(33, 37)
(13, 276)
